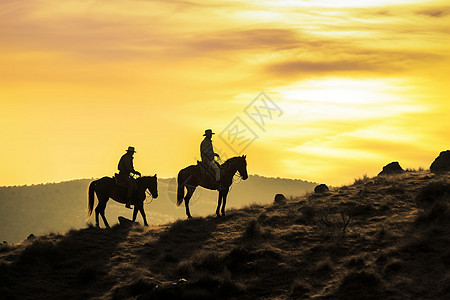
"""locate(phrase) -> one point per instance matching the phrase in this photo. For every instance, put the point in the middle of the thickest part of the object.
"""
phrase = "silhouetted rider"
(207, 154)
(125, 170)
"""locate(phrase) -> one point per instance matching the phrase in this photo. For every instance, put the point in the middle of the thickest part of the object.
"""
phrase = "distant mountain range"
(59, 207)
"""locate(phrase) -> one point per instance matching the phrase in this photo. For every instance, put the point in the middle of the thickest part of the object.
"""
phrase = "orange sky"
(356, 85)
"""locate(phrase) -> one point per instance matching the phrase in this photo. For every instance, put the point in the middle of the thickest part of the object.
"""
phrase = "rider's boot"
(129, 197)
(218, 185)
(128, 205)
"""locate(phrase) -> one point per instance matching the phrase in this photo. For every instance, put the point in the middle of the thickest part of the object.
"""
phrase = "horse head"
(151, 183)
(241, 166)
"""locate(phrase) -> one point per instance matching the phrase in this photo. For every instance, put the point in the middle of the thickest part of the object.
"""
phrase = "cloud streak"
(346, 77)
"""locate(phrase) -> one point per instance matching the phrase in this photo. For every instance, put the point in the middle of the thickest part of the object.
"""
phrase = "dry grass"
(381, 237)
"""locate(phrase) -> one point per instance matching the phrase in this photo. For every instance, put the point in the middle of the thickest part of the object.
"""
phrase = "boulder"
(441, 163)
(280, 198)
(392, 169)
(125, 222)
(321, 188)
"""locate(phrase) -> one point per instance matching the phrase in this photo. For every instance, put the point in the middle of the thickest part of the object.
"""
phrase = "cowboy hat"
(131, 149)
(208, 131)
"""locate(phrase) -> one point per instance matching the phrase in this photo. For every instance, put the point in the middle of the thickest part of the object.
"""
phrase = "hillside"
(382, 237)
(59, 207)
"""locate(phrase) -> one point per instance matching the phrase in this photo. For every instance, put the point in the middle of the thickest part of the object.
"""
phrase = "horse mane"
(230, 160)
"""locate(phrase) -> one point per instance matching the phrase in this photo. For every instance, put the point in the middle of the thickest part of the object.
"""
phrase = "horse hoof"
(223, 214)
(217, 215)
(189, 217)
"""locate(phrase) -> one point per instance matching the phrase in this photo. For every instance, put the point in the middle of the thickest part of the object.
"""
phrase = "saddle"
(120, 181)
(205, 169)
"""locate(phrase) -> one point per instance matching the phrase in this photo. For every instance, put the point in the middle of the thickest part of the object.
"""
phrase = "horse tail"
(180, 191)
(90, 203)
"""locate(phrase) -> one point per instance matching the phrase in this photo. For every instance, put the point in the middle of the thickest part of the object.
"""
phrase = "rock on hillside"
(371, 240)
(391, 169)
(441, 163)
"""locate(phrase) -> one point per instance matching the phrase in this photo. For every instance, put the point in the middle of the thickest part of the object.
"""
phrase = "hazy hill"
(380, 238)
(59, 207)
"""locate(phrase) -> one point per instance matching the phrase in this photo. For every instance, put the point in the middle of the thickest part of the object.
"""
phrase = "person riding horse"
(207, 154)
(126, 168)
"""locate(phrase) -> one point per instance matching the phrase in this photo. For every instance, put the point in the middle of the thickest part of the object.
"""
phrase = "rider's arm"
(207, 149)
(132, 170)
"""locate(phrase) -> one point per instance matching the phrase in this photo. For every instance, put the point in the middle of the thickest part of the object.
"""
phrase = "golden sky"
(353, 85)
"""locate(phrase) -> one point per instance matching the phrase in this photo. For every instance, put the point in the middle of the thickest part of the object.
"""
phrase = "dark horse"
(191, 177)
(106, 188)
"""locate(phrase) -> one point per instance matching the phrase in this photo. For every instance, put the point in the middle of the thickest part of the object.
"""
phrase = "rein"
(147, 193)
(236, 179)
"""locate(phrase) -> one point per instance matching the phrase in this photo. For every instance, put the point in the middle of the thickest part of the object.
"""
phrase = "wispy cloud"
(347, 75)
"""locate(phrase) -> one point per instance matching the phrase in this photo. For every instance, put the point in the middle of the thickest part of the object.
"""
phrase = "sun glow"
(339, 98)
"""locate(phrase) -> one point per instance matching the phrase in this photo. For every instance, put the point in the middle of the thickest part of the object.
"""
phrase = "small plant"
(4, 247)
(362, 180)
(252, 231)
(307, 215)
(185, 268)
(333, 217)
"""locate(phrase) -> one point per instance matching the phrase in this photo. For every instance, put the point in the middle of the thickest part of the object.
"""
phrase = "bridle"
(148, 193)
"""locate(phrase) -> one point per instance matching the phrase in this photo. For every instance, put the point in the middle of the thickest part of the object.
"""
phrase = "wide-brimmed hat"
(208, 131)
(131, 149)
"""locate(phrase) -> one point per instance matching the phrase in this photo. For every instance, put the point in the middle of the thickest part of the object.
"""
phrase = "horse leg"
(102, 213)
(135, 211)
(188, 196)
(219, 202)
(97, 211)
(224, 195)
(141, 209)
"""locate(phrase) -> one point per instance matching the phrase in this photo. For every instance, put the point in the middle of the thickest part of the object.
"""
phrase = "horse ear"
(155, 175)
(244, 156)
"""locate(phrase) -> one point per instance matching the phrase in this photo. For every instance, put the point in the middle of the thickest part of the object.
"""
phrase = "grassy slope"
(392, 248)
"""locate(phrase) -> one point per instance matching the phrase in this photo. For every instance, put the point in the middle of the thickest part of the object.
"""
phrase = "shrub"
(324, 268)
(361, 285)
(308, 212)
(300, 289)
(238, 258)
(439, 212)
(335, 218)
(433, 192)
(210, 262)
(362, 210)
(4, 247)
(253, 231)
(39, 251)
(393, 267)
(184, 268)
(362, 180)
